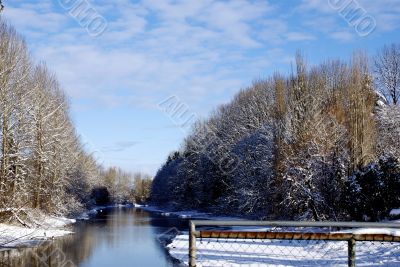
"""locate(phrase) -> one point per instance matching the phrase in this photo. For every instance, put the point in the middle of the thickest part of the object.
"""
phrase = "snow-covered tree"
(388, 137)
(387, 71)
(42, 161)
(296, 141)
(254, 182)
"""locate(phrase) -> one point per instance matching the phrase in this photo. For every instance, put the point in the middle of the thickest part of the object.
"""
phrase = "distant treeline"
(123, 187)
(321, 143)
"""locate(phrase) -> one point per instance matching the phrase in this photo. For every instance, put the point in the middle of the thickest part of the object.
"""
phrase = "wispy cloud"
(385, 12)
(299, 36)
(36, 19)
(119, 146)
(153, 48)
(342, 36)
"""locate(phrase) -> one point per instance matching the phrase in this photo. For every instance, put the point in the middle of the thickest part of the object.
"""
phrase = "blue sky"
(202, 51)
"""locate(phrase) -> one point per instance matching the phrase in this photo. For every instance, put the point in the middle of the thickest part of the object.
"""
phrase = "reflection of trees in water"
(67, 251)
(130, 222)
(111, 227)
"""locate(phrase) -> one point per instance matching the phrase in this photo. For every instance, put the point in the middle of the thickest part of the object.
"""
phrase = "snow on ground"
(241, 252)
(395, 212)
(48, 227)
(49, 222)
(379, 231)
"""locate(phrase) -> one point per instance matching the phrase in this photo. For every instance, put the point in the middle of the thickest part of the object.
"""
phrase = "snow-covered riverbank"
(46, 227)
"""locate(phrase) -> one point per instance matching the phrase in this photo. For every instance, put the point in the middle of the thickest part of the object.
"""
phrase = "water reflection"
(115, 237)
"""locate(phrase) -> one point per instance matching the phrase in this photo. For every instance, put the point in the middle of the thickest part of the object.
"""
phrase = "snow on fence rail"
(283, 243)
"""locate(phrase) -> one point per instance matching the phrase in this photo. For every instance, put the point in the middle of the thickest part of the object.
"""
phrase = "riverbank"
(40, 227)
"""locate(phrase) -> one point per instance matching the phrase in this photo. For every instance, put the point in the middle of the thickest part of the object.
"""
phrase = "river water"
(114, 237)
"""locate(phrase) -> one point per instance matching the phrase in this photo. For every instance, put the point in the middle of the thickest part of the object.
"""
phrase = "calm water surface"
(115, 237)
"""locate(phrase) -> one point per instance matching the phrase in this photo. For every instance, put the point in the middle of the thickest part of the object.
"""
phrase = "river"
(114, 237)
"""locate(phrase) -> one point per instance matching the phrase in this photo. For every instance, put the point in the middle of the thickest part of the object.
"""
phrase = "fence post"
(192, 244)
(352, 252)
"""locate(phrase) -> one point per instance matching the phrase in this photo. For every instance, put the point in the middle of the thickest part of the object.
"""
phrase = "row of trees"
(293, 147)
(43, 164)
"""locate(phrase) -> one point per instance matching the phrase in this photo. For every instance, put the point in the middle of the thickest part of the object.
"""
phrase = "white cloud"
(189, 48)
(299, 36)
(342, 36)
(197, 49)
(233, 19)
(30, 19)
(385, 12)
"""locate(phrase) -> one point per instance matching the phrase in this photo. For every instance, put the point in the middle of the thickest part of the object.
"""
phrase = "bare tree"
(361, 104)
(142, 186)
(14, 74)
(43, 164)
(387, 71)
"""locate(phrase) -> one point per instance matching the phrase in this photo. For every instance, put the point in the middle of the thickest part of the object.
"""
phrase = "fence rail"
(297, 236)
(335, 240)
